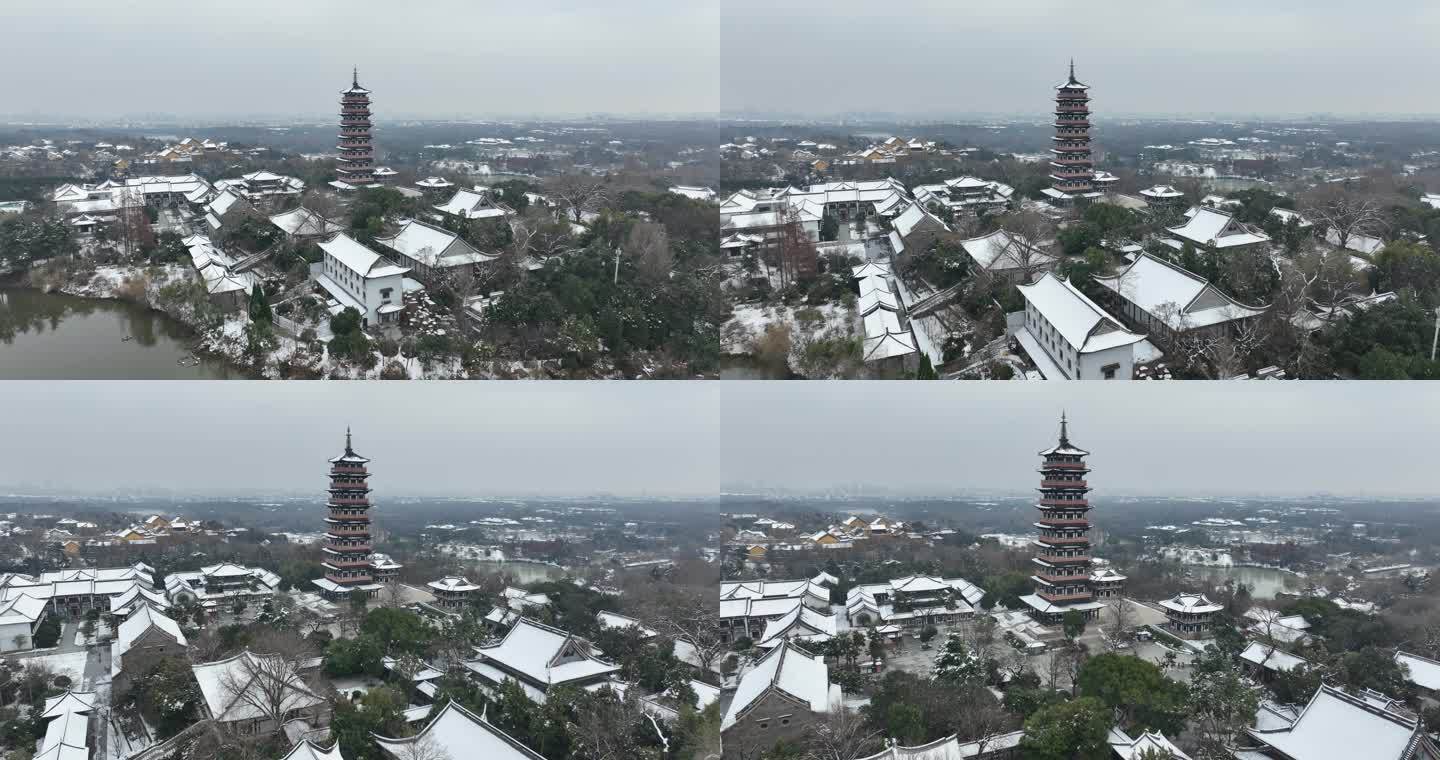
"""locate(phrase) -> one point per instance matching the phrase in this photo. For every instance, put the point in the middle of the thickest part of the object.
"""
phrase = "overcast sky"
(655, 439)
(940, 57)
(423, 58)
(1222, 438)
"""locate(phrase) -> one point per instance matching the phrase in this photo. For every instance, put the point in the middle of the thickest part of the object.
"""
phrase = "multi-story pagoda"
(1072, 170)
(1062, 542)
(357, 154)
(348, 559)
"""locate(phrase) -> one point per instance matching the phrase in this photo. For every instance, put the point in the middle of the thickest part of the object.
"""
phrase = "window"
(1109, 371)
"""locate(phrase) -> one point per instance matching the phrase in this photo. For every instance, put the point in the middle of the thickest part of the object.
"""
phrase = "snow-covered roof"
(354, 256)
(309, 750)
(68, 728)
(1000, 250)
(1161, 192)
(791, 672)
(801, 623)
(773, 590)
(1355, 242)
(1182, 299)
(1272, 659)
(221, 680)
(453, 583)
(140, 621)
(22, 609)
(1217, 229)
(303, 221)
(1340, 726)
(913, 217)
(469, 204)
(433, 246)
(1285, 215)
(1079, 320)
(458, 733)
(435, 183)
(617, 621)
(951, 748)
(1127, 748)
(545, 655)
(1193, 604)
(1423, 671)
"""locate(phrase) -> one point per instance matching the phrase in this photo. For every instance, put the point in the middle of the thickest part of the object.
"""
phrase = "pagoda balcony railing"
(347, 501)
(346, 580)
(341, 521)
(1059, 560)
(1063, 540)
(1047, 483)
(1077, 503)
(339, 562)
(1060, 579)
(1062, 122)
(1064, 465)
(1064, 107)
(1061, 523)
(1061, 598)
(334, 547)
(348, 469)
(348, 484)
(1073, 169)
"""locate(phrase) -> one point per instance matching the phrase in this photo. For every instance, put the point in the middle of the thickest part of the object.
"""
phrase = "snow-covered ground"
(70, 664)
(750, 321)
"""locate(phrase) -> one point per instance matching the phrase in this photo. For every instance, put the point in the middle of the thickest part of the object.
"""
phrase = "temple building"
(349, 564)
(357, 153)
(1190, 616)
(1072, 170)
(1063, 575)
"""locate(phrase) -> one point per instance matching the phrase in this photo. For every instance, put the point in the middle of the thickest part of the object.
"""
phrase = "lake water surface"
(51, 336)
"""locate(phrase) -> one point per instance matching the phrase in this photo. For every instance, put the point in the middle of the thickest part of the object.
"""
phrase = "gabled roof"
(1217, 229)
(1083, 324)
(469, 204)
(791, 672)
(1422, 671)
(618, 621)
(433, 246)
(453, 583)
(309, 750)
(1183, 299)
(359, 259)
(1335, 725)
(303, 221)
(1133, 749)
(141, 620)
(545, 655)
(225, 705)
(460, 733)
(801, 623)
(1001, 250)
(1194, 604)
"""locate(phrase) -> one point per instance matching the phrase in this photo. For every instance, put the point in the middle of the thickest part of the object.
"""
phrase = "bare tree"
(1346, 214)
(270, 685)
(423, 747)
(1121, 621)
(794, 252)
(692, 617)
(648, 244)
(604, 726)
(1329, 278)
(1023, 247)
(579, 193)
(981, 719)
(843, 735)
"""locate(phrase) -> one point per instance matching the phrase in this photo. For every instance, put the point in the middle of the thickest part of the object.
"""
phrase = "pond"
(51, 336)
(1264, 582)
(525, 572)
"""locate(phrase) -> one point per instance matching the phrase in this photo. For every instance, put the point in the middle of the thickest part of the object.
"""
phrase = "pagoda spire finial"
(355, 74)
(1064, 439)
(348, 450)
(1072, 70)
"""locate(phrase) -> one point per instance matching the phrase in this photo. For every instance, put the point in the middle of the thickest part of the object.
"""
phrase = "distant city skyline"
(922, 58)
(437, 59)
(1221, 439)
(435, 439)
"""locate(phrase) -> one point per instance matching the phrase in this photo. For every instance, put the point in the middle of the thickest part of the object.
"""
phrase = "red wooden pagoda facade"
(347, 548)
(1072, 170)
(357, 153)
(1062, 542)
